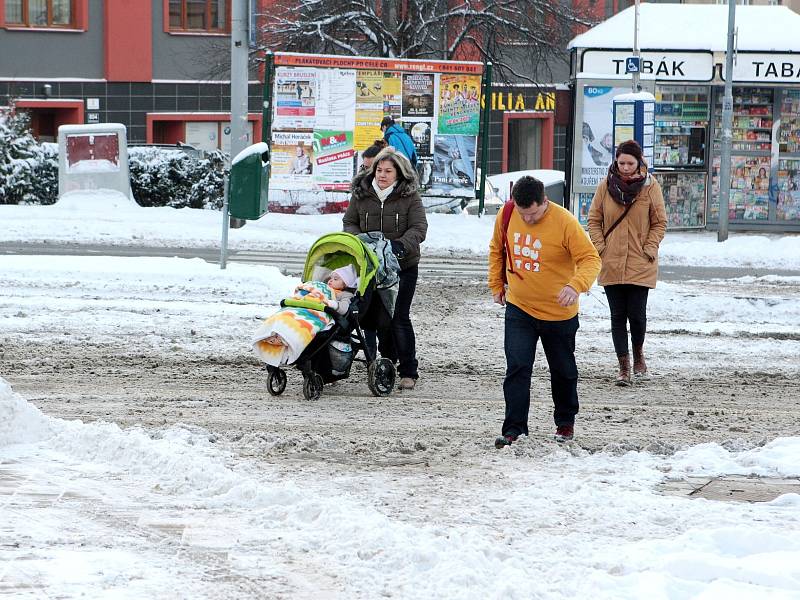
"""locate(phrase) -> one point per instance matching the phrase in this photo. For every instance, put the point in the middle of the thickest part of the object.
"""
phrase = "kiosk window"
(681, 126)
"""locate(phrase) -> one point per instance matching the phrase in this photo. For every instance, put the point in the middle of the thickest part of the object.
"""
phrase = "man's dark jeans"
(522, 332)
(400, 344)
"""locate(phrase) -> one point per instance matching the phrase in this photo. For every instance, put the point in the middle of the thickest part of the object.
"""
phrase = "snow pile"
(20, 421)
(740, 250)
(368, 535)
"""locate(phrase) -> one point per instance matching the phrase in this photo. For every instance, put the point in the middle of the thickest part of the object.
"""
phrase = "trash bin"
(249, 181)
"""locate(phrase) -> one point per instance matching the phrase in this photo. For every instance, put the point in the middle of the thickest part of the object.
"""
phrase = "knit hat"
(632, 148)
(348, 275)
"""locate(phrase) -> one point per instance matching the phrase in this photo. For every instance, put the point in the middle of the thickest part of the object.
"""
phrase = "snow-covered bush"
(166, 177)
(159, 176)
(28, 170)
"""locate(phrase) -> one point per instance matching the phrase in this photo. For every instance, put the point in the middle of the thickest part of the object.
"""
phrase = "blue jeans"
(522, 333)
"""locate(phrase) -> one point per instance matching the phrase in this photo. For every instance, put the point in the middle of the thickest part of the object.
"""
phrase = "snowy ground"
(141, 457)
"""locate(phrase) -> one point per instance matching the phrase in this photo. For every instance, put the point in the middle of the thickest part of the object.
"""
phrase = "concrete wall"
(188, 57)
(54, 53)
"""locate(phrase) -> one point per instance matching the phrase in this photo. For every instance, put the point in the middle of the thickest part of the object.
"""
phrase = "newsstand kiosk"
(686, 74)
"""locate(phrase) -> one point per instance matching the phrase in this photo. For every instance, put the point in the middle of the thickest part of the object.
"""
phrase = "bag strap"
(508, 209)
(618, 221)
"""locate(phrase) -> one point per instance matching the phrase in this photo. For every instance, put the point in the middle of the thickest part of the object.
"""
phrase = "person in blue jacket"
(396, 137)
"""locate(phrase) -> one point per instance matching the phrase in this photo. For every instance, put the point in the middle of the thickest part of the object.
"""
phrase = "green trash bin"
(249, 183)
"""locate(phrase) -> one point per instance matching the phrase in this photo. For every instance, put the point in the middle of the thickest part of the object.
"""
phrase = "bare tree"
(522, 38)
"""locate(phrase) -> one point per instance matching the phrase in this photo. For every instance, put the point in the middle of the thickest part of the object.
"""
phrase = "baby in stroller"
(293, 327)
(320, 329)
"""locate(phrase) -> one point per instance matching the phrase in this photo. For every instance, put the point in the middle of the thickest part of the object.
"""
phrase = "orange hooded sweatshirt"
(544, 257)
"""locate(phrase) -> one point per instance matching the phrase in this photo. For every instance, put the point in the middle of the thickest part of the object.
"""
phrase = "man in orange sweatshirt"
(537, 269)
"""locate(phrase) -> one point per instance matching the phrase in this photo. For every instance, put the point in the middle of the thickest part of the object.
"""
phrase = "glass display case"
(684, 198)
(750, 155)
(752, 120)
(787, 207)
(681, 125)
(749, 195)
(789, 131)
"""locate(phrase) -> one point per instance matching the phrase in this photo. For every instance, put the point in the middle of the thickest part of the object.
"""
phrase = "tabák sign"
(766, 68)
(663, 65)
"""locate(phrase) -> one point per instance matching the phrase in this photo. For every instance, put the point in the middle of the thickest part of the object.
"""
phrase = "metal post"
(635, 79)
(266, 105)
(487, 104)
(727, 133)
(223, 250)
(240, 25)
(240, 138)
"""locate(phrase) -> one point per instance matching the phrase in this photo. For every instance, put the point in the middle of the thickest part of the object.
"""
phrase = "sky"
(87, 507)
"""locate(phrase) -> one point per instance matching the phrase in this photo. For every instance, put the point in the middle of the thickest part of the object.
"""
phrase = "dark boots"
(624, 376)
(639, 366)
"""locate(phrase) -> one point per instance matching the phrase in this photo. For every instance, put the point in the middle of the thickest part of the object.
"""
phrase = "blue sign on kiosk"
(633, 64)
(634, 119)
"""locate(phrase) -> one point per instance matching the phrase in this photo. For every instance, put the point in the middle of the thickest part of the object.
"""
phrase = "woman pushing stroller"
(319, 329)
(385, 199)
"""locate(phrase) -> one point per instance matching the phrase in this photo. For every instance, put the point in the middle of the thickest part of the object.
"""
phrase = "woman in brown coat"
(385, 199)
(627, 221)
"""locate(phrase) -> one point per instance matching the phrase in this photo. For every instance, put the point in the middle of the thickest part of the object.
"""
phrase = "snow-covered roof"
(697, 27)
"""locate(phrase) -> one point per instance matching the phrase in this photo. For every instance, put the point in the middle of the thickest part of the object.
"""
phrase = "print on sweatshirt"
(526, 252)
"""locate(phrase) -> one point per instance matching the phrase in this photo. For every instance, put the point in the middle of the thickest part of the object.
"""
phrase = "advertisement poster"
(425, 172)
(333, 158)
(368, 127)
(369, 87)
(684, 198)
(417, 95)
(292, 159)
(336, 99)
(295, 98)
(420, 133)
(392, 94)
(459, 104)
(454, 165)
(596, 131)
(369, 108)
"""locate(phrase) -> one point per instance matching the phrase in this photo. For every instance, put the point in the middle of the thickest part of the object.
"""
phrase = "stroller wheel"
(276, 383)
(312, 386)
(380, 377)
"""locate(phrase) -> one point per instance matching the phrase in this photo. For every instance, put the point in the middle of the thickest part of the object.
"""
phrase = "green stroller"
(332, 351)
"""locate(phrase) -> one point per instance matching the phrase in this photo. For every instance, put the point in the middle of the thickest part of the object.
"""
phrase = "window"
(40, 13)
(199, 15)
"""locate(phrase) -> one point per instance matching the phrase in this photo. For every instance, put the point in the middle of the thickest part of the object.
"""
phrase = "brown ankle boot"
(624, 376)
(639, 366)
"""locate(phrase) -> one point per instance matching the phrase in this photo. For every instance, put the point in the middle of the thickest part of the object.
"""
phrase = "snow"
(258, 148)
(634, 96)
(448, 234)
(696, 27)
(580, 525)
(674, 547)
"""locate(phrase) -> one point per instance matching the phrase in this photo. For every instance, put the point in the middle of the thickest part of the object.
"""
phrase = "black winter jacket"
(401, 217)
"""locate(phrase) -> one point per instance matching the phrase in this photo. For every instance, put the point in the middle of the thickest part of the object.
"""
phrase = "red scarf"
(624, 189)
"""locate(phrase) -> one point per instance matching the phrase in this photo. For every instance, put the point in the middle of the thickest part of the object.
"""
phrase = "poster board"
(593, 138)
(327, 109)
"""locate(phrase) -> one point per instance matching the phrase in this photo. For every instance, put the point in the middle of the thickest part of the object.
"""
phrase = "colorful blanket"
(282, 337)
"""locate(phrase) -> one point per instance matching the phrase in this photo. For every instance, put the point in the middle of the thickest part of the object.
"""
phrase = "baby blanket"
(282, 337)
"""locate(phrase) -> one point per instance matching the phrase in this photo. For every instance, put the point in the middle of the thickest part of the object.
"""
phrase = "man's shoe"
(564, 433)
(407, 383)
(505, 440)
